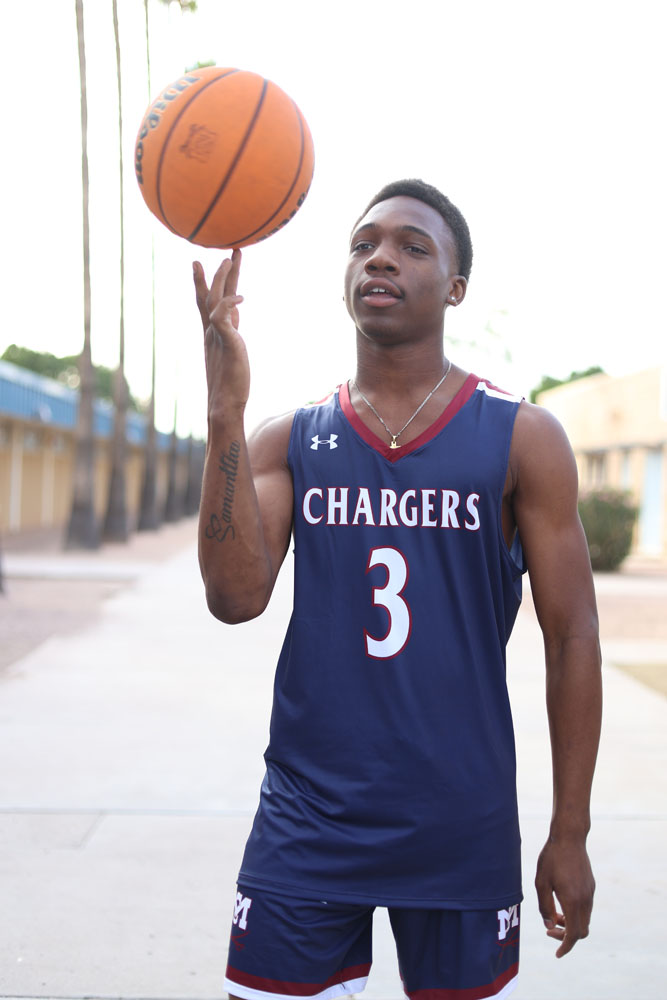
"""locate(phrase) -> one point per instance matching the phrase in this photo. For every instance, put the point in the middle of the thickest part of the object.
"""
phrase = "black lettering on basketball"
(153, 119)
(138, 156)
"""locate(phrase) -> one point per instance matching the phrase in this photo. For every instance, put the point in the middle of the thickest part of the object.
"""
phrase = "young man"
(416, 495)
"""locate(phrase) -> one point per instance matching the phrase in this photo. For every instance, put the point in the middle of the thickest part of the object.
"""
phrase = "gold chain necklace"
(395, 437)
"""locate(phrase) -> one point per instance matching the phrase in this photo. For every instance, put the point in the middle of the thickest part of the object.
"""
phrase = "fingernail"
(549, 924)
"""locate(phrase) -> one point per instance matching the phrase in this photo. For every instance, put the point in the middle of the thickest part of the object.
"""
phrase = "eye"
(361, 245)
(416, 249)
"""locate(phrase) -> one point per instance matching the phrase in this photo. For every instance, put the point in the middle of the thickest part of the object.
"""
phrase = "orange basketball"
(224, 157)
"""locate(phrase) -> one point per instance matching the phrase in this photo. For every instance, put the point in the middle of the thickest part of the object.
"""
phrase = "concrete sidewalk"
(130, 762)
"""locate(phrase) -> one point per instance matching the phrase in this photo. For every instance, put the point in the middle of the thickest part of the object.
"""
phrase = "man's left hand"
(564, 873)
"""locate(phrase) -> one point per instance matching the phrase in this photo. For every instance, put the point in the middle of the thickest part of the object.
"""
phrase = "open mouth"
(380, 292)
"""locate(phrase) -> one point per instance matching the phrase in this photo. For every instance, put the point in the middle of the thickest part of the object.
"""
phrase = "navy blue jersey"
(391, 764)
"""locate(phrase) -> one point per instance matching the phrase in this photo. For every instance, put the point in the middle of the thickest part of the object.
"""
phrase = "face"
(401, 273)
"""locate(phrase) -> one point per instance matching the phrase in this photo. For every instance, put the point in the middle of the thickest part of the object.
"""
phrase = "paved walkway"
(130, 759)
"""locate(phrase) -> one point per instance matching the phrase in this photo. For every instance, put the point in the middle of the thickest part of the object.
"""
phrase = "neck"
(398, 395)
(401, 370)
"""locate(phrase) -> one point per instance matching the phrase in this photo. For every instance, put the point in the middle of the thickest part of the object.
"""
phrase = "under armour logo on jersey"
(331, 441)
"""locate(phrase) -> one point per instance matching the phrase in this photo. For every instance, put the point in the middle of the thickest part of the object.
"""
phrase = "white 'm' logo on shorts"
(506, 919)
(241, 906)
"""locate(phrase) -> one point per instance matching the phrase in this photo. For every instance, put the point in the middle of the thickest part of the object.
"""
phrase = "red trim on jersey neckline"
(393, 454)
(296, 989)
(469, 993)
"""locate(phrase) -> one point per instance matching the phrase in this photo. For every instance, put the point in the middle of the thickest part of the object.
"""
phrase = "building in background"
(618, 430)
(37, 441)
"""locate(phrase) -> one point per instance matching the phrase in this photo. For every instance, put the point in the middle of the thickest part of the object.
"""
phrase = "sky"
(543, 122)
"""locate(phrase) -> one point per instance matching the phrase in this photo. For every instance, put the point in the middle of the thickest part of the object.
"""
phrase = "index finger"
(201, 290)
(568, 942)
(233, 277)
(226, 277)
(573, 927)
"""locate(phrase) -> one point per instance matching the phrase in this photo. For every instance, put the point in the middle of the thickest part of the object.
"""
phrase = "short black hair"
(414, 188)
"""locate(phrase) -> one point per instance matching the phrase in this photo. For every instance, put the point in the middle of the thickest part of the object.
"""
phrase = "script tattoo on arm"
(220, 526)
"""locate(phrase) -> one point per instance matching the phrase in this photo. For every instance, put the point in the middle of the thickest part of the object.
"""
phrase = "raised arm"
(545, 511)
(245, 517)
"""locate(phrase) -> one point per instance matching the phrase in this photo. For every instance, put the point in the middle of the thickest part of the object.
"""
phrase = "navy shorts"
(282, 947)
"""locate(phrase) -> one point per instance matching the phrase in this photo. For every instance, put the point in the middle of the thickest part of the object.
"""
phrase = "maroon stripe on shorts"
(471, 992)
(296, 989)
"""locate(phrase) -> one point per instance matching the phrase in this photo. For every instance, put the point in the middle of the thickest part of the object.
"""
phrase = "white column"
(48, 479)
(15, 477)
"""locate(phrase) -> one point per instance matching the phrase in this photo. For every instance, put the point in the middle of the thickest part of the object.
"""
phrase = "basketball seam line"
(242, 239)
(168, 137)
(233, 164)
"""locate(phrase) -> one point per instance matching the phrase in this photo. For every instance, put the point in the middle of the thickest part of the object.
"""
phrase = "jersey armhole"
(513, 553)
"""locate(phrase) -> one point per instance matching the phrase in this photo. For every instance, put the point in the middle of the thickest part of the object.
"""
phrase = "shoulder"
(273, 428)
(541, 451)
(268, 443)
(535, 427)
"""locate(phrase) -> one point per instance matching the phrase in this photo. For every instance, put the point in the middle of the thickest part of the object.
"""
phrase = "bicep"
(552, 536)
(267, 450)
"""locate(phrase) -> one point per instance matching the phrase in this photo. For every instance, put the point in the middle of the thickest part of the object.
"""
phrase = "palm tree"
(150, 514)
(116, 520)
(173, 507)
(82, 529)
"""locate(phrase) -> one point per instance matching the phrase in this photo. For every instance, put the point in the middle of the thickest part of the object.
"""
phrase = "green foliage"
(200, 65)
(64, 370)
(185, 5)
(549, 382)
(608, 517)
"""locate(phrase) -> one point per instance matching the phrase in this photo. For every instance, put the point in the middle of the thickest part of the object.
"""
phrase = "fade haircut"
(457, 225)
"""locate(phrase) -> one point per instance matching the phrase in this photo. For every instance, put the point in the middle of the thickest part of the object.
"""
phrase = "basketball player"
(416, 494)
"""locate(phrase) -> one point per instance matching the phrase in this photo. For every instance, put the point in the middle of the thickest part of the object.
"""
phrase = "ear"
(457, 290)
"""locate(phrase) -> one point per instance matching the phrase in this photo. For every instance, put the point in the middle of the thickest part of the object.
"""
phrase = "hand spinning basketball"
(226, 358)
(224, 157)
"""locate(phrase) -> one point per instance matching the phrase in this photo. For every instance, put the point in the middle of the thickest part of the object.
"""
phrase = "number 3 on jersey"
(389, 598)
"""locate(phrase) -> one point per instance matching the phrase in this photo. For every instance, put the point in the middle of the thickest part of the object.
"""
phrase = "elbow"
(233, 612)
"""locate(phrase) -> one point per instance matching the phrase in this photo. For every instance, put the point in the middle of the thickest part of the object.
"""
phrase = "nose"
(383, 258)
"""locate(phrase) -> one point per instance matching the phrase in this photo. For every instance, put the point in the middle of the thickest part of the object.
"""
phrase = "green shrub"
(608, 517)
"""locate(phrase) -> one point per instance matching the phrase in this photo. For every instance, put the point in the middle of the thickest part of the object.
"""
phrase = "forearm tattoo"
(220, 526)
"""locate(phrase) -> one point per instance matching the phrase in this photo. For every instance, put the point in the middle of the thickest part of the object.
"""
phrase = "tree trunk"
(149, 514)
(83, 530)
(116, 521)
(195, 475)
(173, 508)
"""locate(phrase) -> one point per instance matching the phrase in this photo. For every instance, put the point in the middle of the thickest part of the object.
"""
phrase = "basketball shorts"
(282, 948)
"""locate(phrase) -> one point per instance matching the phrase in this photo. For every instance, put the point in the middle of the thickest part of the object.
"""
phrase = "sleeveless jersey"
(390, 772)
